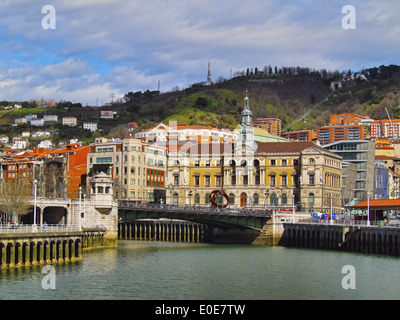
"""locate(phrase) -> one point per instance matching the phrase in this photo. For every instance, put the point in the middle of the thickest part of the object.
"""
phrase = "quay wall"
(363, 239)
(29, 249)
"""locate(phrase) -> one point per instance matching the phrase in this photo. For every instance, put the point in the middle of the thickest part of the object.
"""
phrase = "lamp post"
(331, 208)
(80, 206)
(34, 205)
(368, 223)
(294, 199)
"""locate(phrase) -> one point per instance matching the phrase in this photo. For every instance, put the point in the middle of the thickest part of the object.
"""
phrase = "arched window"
(175, 198)
(255, 198)
(196, 198)
(207, 198)
(284, 199)
(273, 199)
(311, 199)
(231, 198)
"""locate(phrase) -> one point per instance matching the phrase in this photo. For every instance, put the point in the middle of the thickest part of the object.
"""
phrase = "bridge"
(223, 218)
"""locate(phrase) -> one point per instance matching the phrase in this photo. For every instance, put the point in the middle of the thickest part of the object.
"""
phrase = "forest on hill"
(285, 93)
(302, 98)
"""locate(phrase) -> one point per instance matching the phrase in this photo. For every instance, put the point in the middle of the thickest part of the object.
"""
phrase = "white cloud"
(115, 46)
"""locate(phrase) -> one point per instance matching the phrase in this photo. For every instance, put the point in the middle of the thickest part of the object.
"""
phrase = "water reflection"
(168, 271)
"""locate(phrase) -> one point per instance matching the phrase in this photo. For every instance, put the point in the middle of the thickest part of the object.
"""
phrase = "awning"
(382, 204)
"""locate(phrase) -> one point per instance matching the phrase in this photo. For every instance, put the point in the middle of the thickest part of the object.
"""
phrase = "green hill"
(298, 98)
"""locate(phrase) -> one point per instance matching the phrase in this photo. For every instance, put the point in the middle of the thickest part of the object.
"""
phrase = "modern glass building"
(362, 153)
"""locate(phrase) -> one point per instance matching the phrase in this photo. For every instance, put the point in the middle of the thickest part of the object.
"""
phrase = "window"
(284, 180)
(218, 180)
(176, 180)
(273, 162)
(207, 180)
(104, 160)
(207, 198)
(311, 179)
(197, 180)
(273, 200)
(196, 198)
(284, 162)
(231, 198)
(175, 198)
(255, 198)
(284, 199)
(311, 200)
(273, 180)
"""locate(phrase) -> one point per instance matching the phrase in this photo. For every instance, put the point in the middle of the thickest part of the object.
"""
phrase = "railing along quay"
(256, 212)
(29, 228)
(351, 223)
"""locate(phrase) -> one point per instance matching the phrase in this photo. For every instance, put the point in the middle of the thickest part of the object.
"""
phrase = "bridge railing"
(29, 228)
(195, 209)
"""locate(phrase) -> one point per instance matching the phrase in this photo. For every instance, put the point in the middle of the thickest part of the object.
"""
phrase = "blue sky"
(104, 47)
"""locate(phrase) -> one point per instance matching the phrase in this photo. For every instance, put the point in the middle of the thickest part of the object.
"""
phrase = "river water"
(181, 271)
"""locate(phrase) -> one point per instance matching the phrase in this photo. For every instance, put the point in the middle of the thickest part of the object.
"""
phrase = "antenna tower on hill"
(209, 73)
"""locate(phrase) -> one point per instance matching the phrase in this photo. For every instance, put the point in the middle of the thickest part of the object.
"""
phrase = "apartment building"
(346, 119)
(385, 128)
(137, 168)
(302, 135)
(331, 134)
(271, 125)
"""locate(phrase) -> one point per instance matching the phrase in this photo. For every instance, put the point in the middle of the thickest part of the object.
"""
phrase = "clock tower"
(246, 134)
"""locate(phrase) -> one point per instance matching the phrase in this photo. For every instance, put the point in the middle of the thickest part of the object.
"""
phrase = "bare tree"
(15, 199)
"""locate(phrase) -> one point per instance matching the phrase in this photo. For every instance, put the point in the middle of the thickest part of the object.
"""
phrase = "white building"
(184, 132)
(4, 139)
(18, 121)
(29, 117)
(47, 144)
(50, 118)
(38, 122)
(107, 114)
(19, 144)
(92, 126)
(25, 134)
(40, 133)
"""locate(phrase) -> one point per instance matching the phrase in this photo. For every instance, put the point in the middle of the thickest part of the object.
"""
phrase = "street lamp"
(80, 206)
(368, 223)
(331, 208)
(294, 199)
(34, 205)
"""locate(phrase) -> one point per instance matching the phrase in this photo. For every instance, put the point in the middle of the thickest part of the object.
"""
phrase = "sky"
(90, 50)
